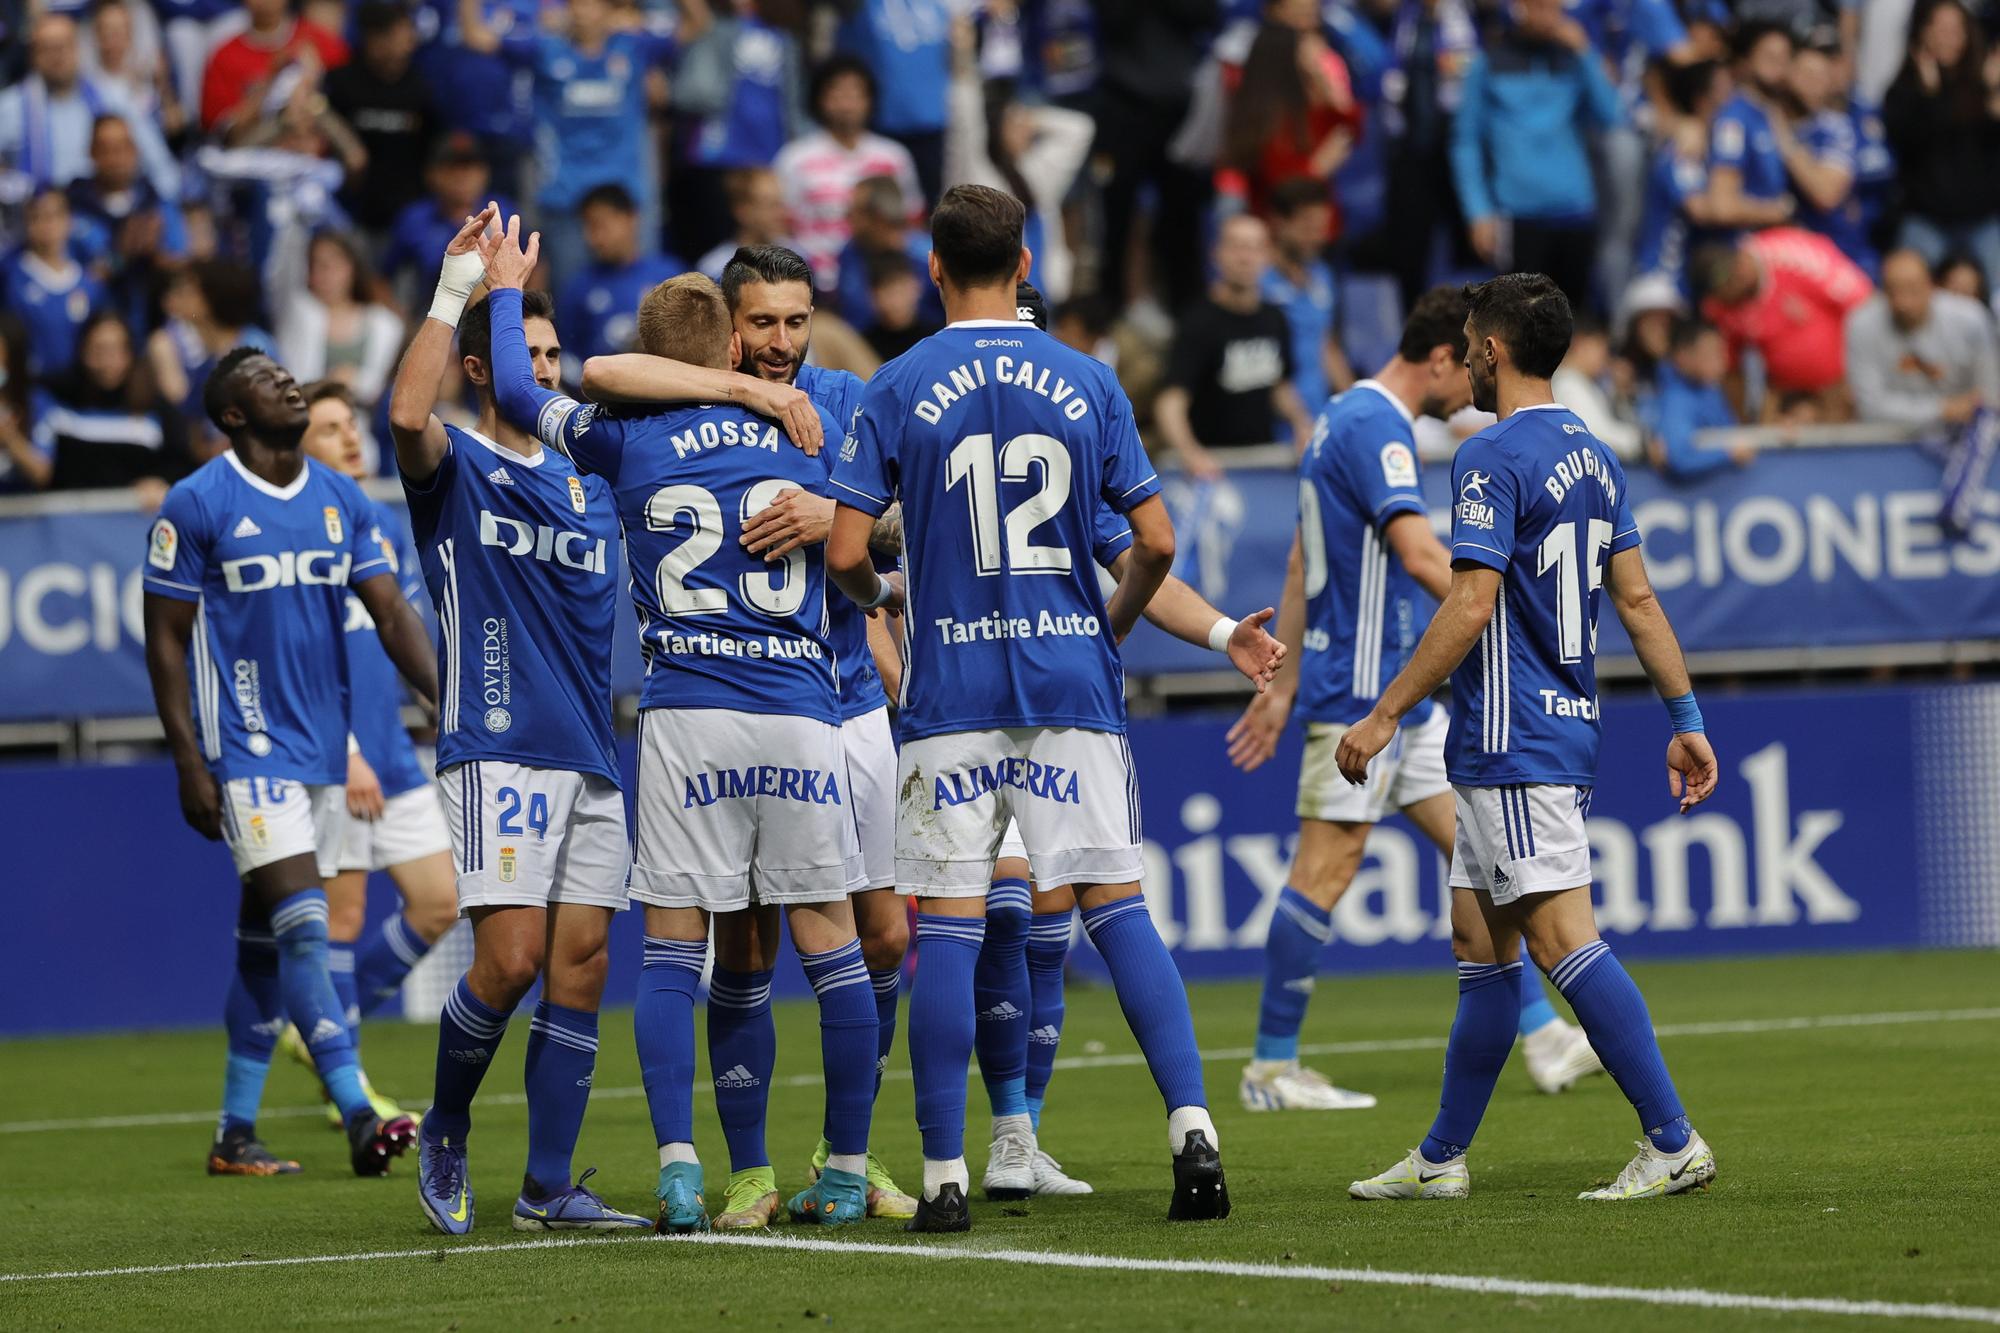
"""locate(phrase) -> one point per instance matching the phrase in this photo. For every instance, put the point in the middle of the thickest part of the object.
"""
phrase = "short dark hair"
(1294, 193)
(379, 16)
(1686, 85)
(221, 389)
(229, 289)
(1686, 331)
(1437, 319)
(1751, 35)
(774, 264)
(611, 195)
(320, 391)
(838, 67)
(475, 326)
(1527, 314)
(881, 196)
(976, 235)
(885, 266)
(1710, 268)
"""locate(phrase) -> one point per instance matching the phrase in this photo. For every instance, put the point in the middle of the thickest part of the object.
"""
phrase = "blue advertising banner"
(1865, 819)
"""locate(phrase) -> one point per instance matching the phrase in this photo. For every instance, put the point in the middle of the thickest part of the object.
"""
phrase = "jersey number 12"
(972, 461)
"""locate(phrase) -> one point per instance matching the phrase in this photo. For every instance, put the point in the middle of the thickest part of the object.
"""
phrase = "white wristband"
(1218, 634)
(884, 590)
(460, 274)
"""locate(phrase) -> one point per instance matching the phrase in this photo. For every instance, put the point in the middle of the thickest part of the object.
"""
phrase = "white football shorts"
(1012, 846)
(410, 828)
(1518, 840)
(1410, 770)
(1072, 791)
(732, 801)
(533, 837)
(871, 788)
(266, 820)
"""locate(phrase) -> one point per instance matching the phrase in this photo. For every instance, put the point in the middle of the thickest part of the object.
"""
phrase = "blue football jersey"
(1543, 502)
(719, 627)
(1002, 444)
(520, 555)
(837, 393)
(1362, 610)
(376, 715)
(270, 567)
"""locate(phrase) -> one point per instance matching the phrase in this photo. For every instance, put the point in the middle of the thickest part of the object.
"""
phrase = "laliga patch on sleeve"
(1729, 138)
(1399, 465)
(163, 545)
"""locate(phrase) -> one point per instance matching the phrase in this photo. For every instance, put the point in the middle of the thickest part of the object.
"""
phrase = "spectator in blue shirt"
(1690, 398)
(592, 114)
(908, 45)
(736, 94)
(1519, 149)
(134, 233)
(1300, 283)
(46, 288)
(598, 308)
(1748, 183)
(879, 218)
(1823, 156)
(1676, 204)
(459, 184)
(481, 93)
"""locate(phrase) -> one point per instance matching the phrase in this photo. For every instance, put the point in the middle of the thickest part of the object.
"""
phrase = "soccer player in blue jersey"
(1363, 551)
(744, 798)
(248, 569)
(1542, 523)
(1000, 443)
(519, 551)
(394, 820)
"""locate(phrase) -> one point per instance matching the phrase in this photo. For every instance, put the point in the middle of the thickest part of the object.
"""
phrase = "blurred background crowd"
(1766, 211)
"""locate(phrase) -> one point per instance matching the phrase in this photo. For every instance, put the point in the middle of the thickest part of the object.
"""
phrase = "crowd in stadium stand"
(1774, 211)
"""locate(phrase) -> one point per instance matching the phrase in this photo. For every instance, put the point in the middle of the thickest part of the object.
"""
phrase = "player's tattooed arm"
(634, 377)
(1459, 622)
(1151, 558)
(402, 635)
(1691, 767)
(853, 570)
(418, 434)
(1254, 737)
(169, 630)
(887, 534)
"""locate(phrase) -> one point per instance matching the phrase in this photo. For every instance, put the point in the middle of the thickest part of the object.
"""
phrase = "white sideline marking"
(1123, 1059)
(1673, 1297)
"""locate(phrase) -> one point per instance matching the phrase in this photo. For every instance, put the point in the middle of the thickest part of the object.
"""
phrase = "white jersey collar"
(525, 460)
(1394, 401)
(989, 324)
(298, 483)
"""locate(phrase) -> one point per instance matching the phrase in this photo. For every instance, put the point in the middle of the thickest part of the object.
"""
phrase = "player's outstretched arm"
(169, 630)
(1691, 768)
(1151, 558)
(1411, 538)
(419, 435)
(1460, 620)
(635, 377)
(402, 634)
(1254, 738)
(1184, 613)
(851, 568)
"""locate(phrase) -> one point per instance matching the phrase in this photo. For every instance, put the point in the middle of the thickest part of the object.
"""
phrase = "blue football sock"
(1482, 1035)
(1536, 1011)
(1048, 951)
(469, 1032)
(888, 985)
(340, 966)
(1300, 930)
(663, 1028)
(562, 1056)
(383, 960)
(1614, 1017)
(742, 1051)
(1001, 999)
(848, 1034)
(252, 1016)
(299, 922)
(941, 1028)
(1152, 995)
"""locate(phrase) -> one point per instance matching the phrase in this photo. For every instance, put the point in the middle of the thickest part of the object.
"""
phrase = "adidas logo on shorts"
(1003, 1012)
(246, 528)
(738, 1077)
(1499, 878)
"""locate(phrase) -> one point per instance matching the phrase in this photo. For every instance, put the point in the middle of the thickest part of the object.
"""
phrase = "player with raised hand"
(1541, 522)
(1364, 548)
(248, 570)
(518, 551)
(769, 292)
(1017, 984)
(742, 802)
(1000, 443)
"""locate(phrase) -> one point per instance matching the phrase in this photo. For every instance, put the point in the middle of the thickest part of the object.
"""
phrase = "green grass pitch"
(1856, 1166)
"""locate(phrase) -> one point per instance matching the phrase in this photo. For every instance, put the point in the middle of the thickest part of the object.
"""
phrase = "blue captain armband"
(1685, 713)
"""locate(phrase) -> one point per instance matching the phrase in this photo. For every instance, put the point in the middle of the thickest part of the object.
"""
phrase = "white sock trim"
(1184, 1119)
(939, 1174)
(677, 1152)
(853, 1163)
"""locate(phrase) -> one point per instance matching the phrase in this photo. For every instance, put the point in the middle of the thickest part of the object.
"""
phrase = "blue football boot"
(573, 1209)
(443, 1185)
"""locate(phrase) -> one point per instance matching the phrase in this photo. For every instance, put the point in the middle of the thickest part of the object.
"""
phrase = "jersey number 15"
(1575, 582)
